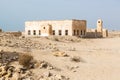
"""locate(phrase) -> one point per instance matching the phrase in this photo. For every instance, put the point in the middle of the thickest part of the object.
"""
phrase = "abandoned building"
(63, 28)
(98, 32)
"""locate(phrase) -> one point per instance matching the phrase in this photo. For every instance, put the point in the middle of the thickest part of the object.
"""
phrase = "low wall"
(16, 34)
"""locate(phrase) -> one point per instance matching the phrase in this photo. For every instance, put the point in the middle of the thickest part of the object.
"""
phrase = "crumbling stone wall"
(98, 32)
(79, 27)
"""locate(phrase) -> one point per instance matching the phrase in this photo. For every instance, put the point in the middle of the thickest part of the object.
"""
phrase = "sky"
(14, 13)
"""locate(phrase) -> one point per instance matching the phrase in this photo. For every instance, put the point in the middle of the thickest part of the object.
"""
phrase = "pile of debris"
(12, 73)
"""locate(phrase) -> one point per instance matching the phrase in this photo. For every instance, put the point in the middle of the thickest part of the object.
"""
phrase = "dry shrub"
(25, 59)
(55, 39)
(75, 59)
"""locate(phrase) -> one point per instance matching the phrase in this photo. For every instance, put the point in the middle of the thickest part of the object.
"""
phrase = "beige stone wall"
(91, 33)
(46, 30)
(97, 33)
(32, 25)
(79, 27)
(64, 26)
(105, 33)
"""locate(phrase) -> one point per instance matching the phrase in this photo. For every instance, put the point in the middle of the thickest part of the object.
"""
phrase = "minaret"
(99, 25)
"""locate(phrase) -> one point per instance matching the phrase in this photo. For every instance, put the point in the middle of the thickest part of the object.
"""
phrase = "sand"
(100, 58)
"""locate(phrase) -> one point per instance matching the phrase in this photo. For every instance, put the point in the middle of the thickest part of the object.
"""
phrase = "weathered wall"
(74, 28)
(79, 27)
(61, 25)
(91, 33)
(46, 30)
(32, 25)
(105, 33)
(56, 25)
(97, 33)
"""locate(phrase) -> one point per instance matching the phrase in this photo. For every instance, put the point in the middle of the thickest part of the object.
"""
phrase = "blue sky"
(13, 13)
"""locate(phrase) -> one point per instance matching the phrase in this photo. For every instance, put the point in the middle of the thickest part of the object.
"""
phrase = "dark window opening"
(60, 32)
(77, 32)
(81, 32)
(29, 32)
(43, 27)
(98, 21)
(34, 32)
(74, 32)
(66, 32)
(53, 32)
(39, 32)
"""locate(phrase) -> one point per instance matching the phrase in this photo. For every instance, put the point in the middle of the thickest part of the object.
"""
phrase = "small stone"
(59, 77)
(47, 74)
(43, 65)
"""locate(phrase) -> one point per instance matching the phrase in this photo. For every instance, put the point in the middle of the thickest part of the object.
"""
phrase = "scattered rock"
(47, 74)
(50, 76)
(44, 64)
(7, 57)
(16, 76)
(60, 54)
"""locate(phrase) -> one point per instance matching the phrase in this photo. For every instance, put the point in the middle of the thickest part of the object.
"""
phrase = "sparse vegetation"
(75, 59)
(55, 39)
(25, 59)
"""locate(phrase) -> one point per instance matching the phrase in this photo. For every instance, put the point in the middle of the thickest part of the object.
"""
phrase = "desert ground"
(65, 58)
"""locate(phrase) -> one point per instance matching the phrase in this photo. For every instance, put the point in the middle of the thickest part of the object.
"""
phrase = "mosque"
(64, 28)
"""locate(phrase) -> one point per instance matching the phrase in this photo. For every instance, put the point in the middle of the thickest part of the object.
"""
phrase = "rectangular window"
(29, 32)
(66, 32)
(81, 32)
(60, 32)
(77, 32)
(39, 32)
(53, 32)
(34, 32)
(74, 32)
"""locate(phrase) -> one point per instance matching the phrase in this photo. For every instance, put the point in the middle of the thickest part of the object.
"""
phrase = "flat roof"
(56, 20)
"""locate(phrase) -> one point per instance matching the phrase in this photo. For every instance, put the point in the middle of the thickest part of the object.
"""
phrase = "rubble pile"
(12, 73)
